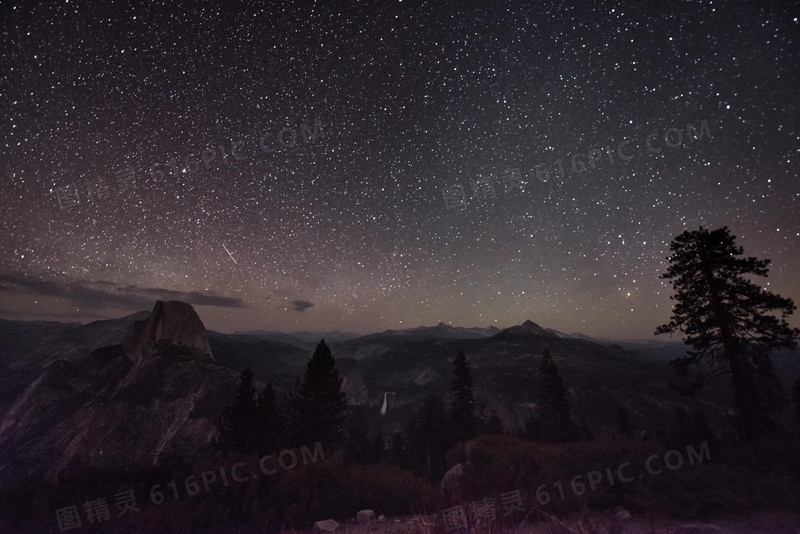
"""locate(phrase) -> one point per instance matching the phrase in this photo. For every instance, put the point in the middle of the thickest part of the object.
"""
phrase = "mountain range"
(148, 386)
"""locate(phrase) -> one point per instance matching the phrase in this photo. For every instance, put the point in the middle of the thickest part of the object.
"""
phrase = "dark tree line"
(316, 410)
(553, 422)
(252, 423)
(313, 412)
(730, 324)
(436, 427)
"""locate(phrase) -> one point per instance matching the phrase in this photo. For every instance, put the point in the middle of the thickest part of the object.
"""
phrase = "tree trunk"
(745, 398)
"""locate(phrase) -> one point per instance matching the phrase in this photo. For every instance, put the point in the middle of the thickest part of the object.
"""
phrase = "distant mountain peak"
(528, 328)
(173, 326)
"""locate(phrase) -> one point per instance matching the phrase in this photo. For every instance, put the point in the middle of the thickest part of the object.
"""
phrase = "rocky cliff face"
(112, 414)
(157, 395)
(173, 327)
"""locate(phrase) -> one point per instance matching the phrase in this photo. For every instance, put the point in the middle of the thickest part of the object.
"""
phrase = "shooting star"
(229, 254)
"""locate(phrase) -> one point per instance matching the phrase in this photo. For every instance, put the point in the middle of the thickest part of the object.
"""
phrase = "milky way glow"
(389, 168)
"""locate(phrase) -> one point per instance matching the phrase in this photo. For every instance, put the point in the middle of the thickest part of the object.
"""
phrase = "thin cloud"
(103, 294)
(302, 305)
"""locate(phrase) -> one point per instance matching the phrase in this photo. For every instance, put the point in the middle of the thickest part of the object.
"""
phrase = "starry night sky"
(340, 165)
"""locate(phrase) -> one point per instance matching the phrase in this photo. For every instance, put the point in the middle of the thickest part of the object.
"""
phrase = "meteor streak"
(229, 254)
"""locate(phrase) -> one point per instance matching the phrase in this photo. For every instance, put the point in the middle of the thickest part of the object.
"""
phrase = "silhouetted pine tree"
(768, 388)
(238, 426)
(623, 422)
(428, 438)
(462, 408)
(555, 422)
(271, 432)
(729, 323)
(320, 402)
(287, 410)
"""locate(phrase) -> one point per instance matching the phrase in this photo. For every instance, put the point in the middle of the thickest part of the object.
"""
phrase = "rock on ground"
(326, 525)
(365, 516)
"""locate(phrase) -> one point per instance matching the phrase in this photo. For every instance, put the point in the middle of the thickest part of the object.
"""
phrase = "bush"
(322, 491)
(388, 489)
(555, 477)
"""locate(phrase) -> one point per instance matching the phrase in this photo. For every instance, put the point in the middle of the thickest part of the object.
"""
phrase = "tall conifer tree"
(320, 403)
(239, 426)
(270, 424)
(730, 323)
(428, 438)
(555, 422)
(462, 408)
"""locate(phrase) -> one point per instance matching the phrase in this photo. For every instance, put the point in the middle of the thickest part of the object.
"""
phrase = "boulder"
(452, 482)
(326, 525)
(365, 516)
(621, 514)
